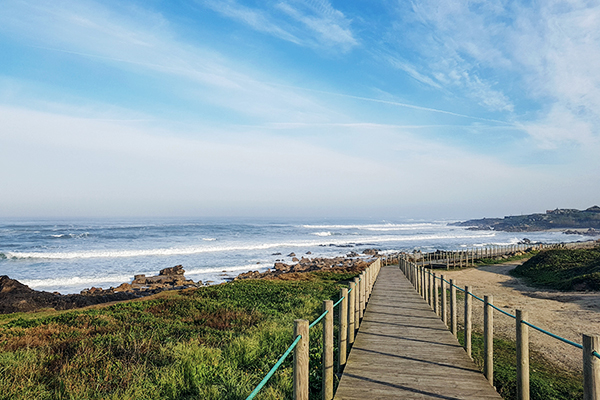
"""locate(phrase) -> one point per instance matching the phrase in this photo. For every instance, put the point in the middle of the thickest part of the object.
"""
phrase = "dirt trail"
(567, 314)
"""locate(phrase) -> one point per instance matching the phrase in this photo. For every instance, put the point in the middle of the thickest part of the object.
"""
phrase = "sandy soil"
(567, 314)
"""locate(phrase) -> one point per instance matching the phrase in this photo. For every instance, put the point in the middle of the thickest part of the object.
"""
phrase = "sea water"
(69, 255)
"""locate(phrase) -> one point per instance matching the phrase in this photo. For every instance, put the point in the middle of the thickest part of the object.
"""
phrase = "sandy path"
(565, 314)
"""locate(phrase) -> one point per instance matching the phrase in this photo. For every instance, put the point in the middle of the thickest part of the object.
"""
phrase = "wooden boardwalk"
(404, 351)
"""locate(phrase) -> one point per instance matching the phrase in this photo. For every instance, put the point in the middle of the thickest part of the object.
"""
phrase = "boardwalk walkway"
(404, 351)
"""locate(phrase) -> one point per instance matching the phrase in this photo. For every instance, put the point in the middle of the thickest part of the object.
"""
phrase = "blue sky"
(387, 109)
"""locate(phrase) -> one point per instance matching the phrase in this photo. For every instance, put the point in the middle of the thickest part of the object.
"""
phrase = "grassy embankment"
(573, 269)
(216, 342)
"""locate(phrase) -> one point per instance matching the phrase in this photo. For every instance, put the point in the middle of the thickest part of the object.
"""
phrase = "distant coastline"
(569, 221)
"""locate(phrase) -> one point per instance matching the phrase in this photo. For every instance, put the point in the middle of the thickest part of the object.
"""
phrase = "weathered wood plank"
(404, 350)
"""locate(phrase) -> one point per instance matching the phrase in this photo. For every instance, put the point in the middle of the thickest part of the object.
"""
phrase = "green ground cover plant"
(563, 269)
(216, 342)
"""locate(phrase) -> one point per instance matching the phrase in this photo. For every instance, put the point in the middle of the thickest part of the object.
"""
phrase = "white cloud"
(61, 165)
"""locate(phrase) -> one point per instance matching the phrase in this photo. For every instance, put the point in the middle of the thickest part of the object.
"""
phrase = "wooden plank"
(404, 350)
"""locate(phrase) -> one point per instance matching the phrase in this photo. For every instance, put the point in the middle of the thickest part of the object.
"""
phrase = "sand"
(567, 314)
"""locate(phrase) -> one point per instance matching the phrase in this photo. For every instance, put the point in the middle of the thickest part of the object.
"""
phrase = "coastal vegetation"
(508, 258)
(568, 219)
(215, 342)
(563, 269)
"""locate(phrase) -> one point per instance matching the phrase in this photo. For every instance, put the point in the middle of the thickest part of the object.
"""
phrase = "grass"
(500, 260)
(547, 381)
(563, 269)
(216, 342)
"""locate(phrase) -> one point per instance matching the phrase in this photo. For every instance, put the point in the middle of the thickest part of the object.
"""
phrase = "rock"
(294, 259)
(248, 275)
(124, 287)
(276, 254)
(292, 255)
(352, 254)
(371, 252)
(308, 252)
(176, 270)
(282, 267)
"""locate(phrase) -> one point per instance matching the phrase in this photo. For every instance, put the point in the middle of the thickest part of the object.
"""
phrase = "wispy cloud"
(90, 30)
(258, 20)
(312, 23)
(558, 45)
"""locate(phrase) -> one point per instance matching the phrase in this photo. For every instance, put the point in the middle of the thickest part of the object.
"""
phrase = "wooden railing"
(434, 288)
(352, 303)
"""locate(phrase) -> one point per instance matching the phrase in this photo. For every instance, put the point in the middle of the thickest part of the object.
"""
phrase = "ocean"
(67, 256)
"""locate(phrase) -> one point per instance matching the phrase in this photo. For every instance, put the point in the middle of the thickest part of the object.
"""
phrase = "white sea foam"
(378, 227)
(70, 235)
(237, 268)
(209, 239)
(327, 233)
(75, 281)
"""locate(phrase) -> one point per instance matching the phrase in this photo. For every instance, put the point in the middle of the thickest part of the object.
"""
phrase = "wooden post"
(327, 360)
(522, 356)
(367, 284)
(356, 304)
(436, 303)
(343, 332)
(361, 292)
(488, 338)
(468, 322)
(426, 285)
(453, 314)
(351, 303)
(591, 368)
(444, 302)
(431, 283)
(301, 360)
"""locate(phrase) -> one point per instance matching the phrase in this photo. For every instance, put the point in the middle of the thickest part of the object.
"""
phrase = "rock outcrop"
(285, 271)
(17, 297)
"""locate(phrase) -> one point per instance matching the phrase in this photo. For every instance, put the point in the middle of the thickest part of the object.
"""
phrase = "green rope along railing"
(272, 370)
(537, 328)
(316, 321)
(553, 335)
(289, 350)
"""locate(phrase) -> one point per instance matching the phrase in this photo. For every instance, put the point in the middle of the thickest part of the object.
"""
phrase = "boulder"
(176, 270)
(371, 252)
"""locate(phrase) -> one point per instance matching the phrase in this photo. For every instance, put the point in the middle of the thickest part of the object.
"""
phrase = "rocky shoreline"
(17, 297)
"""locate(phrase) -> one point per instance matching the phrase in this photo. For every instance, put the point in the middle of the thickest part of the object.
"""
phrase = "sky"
(304, 108)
